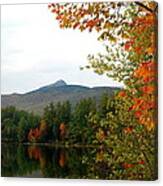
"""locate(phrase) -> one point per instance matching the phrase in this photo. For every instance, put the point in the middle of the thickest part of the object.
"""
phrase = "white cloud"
(35, 51)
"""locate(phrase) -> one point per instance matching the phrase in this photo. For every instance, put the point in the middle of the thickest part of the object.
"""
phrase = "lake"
(18, 160)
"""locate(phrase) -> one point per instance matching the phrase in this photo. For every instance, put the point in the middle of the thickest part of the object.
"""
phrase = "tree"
(66, 112)
(43, 128)
(9, 130)
(22, 130)
(55, 115)
(50, 114)
(34, 135)
(129, 32)
(80, 130)
(103, 105)
(12, 123)
(119, 24)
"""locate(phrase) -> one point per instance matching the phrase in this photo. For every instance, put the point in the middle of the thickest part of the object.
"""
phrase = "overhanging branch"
(145, 7)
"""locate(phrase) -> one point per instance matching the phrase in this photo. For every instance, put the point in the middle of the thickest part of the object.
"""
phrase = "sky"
(35, 52)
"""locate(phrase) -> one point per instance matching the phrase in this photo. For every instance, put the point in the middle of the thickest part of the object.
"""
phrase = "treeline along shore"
(60, 123)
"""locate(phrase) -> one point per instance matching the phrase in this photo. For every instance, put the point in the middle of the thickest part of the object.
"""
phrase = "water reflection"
(59, 162)
(45, 161)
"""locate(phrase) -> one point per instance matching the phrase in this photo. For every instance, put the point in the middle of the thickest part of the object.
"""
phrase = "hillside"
(37, 99)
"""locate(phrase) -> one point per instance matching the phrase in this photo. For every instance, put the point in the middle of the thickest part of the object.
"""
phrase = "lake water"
(19, 160)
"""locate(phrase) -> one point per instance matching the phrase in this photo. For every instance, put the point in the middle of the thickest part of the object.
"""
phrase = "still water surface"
(54, 162)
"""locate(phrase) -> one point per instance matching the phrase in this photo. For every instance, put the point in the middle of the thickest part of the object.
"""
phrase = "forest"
(107, 127)
(59, 123)
(124, 126)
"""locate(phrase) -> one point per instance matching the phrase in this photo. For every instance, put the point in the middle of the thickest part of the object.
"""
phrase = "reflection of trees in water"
(34, 152)
(15, 161)
(9, 164)
(56, 162)
(53, 162)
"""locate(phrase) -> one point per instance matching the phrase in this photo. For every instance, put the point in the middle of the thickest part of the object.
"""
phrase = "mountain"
(36, 100)
(58, 83)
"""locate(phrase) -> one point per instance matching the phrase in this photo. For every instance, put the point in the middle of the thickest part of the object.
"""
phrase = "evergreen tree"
(22, 130)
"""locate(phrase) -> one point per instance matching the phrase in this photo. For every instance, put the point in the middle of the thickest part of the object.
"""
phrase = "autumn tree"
(119, 25)
(129, 32)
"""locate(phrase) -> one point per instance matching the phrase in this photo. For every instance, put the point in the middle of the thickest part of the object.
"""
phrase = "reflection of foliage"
(123, 126)
(128, 30)
(15, 161)
(70, 163)
(9, 164)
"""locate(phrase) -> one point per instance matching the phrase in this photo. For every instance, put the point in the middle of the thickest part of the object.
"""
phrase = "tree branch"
(142, 5)
(156, 8)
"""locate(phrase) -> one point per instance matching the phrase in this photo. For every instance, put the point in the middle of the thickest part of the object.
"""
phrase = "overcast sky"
(35, 52)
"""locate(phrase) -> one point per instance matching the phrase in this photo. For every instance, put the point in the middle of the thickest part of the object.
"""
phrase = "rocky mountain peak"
(59, 83)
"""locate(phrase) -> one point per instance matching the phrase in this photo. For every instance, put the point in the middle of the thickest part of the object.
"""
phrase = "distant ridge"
(36, 100)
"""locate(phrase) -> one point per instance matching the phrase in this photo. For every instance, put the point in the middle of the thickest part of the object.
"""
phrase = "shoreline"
(54, 144)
